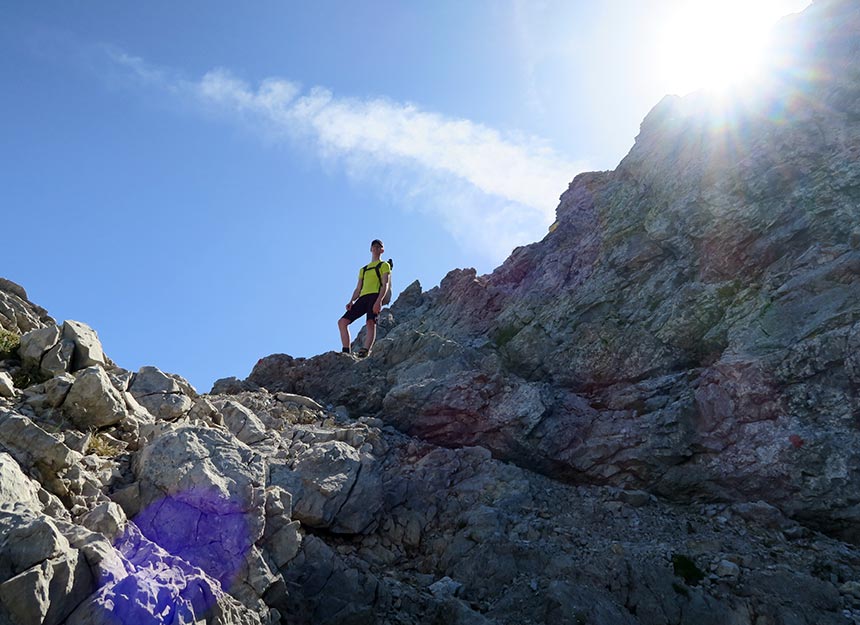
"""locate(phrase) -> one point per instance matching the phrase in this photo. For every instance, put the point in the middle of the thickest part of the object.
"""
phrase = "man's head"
(377, 246)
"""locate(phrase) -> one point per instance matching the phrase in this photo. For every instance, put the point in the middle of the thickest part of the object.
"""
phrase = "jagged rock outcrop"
(17, 313)
(328, 519)
(690, 324)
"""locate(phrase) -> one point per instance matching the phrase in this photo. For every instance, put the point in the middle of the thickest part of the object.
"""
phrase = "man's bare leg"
(343, 326)
(370, 337)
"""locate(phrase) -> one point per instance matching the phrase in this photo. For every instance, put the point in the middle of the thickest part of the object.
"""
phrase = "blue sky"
(200, 181)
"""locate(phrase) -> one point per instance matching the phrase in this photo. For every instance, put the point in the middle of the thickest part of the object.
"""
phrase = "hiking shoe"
(362, 353)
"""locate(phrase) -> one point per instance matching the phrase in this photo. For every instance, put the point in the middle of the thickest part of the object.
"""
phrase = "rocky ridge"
(688, 327)
(267, 507)
(649, 417)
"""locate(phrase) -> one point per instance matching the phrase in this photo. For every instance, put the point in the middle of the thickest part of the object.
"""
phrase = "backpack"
(387, 297)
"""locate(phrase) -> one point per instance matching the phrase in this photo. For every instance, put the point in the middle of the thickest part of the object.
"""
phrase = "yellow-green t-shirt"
(371, 283)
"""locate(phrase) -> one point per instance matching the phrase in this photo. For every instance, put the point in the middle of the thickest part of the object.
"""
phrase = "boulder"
(36, 343)
(87, 347)
(334, 486)
(204, 410)
(241, 421)
(161, 394)
(232, 386)
(301, 400)
(92, 401)
(47, 593)
(58, 359)
(16, 487)
(31, 446)
(202, 499)
(154, 587)
(42, 578)
(284, 544)
(54, 350)
(57, 389)
(107, 518)
(7, 386)
(330, 591)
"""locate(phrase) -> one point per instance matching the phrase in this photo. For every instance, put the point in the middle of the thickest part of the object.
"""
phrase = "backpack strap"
(378, 273)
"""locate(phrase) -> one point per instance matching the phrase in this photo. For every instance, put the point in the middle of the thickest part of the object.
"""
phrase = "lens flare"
(202, 528)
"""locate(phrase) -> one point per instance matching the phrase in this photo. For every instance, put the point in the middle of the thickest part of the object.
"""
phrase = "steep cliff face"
(690, 326)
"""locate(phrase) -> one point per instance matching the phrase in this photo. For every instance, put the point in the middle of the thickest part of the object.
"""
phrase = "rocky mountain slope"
(689, 326)
(130, 498)
(649, 417)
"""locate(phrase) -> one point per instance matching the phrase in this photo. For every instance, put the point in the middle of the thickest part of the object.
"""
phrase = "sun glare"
(718, 44)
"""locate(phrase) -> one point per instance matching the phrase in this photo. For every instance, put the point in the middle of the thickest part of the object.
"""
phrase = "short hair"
(376, 242)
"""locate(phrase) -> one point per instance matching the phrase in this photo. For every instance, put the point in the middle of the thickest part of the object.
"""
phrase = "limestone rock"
(158, 587)
(107, 564)
(87, 346)
(445, 587)
(57, 389)
(242, 422)
(17, 313)
(202, 498)
(301, 400)
(284, 544)
(92, 401)
(108, 519)
(161, 394)
(232, 386)
(36, 343)
(16, 487)
(334, 486)
(7, 386)
(852, 589)
(58, 359)
(54, 350)
(128, 498)
(726, 568)
(331, 591)
(205, 411)
(30, 445)
(42, 578)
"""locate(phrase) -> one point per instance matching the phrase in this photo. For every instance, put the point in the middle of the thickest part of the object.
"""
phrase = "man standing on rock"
(373, 285)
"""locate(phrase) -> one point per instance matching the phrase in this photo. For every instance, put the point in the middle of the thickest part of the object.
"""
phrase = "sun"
(717, 44)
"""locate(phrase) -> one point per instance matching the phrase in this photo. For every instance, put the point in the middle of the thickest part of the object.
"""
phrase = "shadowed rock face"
(690, 326)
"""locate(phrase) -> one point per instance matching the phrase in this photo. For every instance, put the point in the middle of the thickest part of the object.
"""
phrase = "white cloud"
(490, 190)
(138, 66)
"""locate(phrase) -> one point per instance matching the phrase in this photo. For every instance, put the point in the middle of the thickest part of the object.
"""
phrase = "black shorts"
(362, 305)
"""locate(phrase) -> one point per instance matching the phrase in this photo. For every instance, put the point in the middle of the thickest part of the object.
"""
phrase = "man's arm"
(377, 305)
(355, 294)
